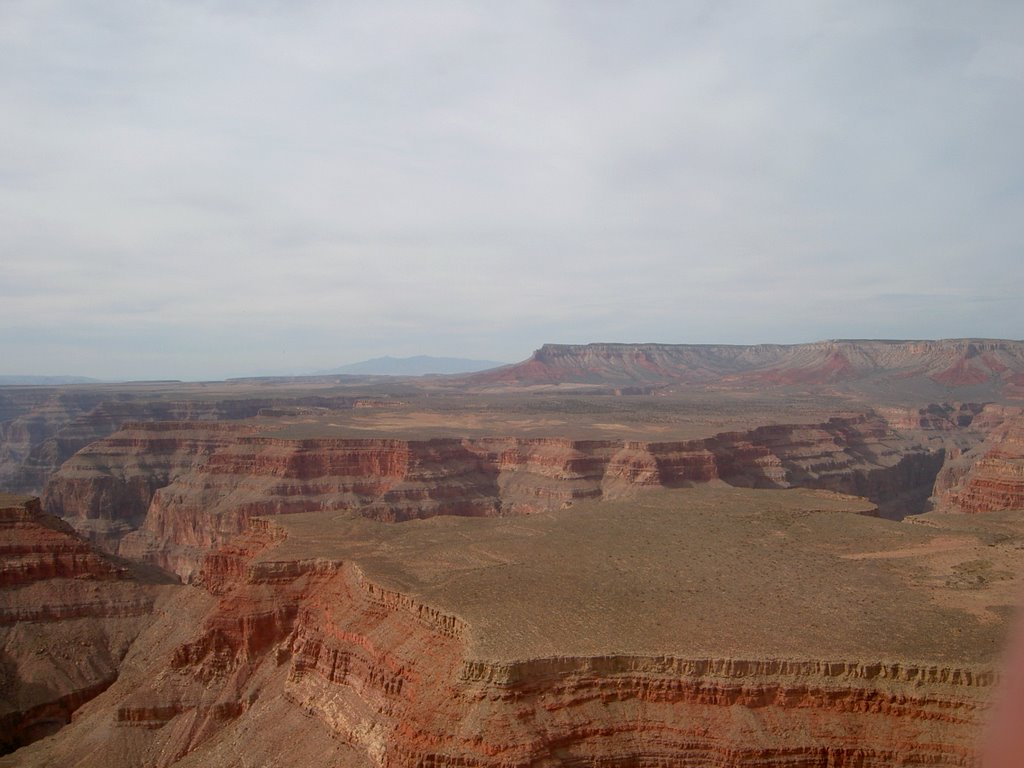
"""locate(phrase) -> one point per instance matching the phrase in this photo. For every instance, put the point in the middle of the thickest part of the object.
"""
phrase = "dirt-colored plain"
(711, 570)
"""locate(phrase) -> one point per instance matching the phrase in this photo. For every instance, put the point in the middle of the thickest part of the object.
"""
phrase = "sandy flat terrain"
(585, 417)
(713, 570)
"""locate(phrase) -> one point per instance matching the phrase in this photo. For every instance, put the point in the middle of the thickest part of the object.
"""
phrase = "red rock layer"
(41, 427)
(392, 677)
(944, 417)
(996, 479)
(111, 483)
(187, 488)
(67, 616)
(35, 547)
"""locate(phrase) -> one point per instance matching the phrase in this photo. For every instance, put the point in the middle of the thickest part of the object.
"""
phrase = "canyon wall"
(989, 476)
(41, 427)
(111, 482)
(31, 417)
(289, 653)
(381, 677)
(68, 615)
(169, 492)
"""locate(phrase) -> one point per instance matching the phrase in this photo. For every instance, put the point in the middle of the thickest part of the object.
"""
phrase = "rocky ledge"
(669, 640)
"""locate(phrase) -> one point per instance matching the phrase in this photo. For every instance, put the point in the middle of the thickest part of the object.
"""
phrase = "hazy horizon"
(201, 190)
(359, 368)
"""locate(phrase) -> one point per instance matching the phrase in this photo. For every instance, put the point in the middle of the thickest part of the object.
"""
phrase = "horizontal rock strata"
(395, 679)
(41, 427)
(68, 614)
(989, 477)
(949, 363)
(169, 492)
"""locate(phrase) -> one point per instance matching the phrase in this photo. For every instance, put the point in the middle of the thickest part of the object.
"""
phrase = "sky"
(200, 189)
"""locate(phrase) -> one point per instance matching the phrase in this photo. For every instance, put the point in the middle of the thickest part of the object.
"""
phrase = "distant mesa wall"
(951, 363)
(41, 427)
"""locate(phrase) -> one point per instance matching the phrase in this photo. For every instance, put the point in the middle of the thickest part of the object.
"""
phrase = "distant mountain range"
(420, 365)
(48, 380)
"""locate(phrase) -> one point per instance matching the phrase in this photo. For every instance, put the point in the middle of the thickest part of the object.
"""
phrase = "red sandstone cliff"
(168, 493)
(360, 674)
(68, 615)
(41, 427)
(991, 476)
(111, 483)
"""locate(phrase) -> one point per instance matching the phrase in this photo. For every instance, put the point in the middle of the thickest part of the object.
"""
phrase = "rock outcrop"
(68, 615)
(991, 476)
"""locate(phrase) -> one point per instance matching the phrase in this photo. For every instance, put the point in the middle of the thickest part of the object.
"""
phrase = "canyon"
(168, 492)
(624, 555)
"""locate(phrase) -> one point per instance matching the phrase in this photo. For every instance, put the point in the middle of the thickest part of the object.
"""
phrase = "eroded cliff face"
(41, 427)
(29, 417)
(110, 484)
(434, 642)
(382, 677)
(168, 493)
(68, 615)
(949, 363)
(989, 476)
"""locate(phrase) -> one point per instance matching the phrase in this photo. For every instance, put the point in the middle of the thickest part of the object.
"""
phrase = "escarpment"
(36, 547)
(949, 364)
(41, 427)
(30, 419)
(466, 642)
(170, 492)
(111, 483)
(68, 615)
(991, 475)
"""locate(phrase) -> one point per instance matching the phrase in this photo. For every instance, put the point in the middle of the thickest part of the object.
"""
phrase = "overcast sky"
(206, 189)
